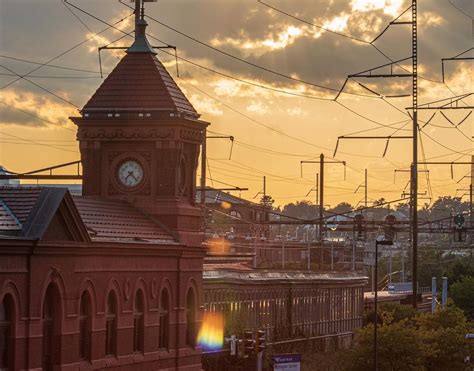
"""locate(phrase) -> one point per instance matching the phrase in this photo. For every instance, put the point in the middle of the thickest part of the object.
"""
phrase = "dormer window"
(148, 114)
(140, 114)
(109, 115)
(117, 115)
(86, 115)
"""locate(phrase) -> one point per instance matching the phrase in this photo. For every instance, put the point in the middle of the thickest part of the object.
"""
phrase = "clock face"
(130, 173)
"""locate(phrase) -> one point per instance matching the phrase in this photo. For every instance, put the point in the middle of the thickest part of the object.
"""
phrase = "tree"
(421, 342)
(462, 293)
(341, 208)
(399, 348)
(461, 268)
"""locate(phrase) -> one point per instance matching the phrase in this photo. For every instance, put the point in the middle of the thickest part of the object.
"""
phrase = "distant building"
(113, 278)
(9, 182)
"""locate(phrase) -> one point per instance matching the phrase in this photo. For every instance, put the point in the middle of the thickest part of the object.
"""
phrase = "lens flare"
(211, 334)
(219, 246)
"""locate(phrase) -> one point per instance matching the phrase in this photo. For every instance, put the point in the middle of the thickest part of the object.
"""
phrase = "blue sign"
(287, 362)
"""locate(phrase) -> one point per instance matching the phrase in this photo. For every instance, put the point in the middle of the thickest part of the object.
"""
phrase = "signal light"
(249, 343)
(261, 340)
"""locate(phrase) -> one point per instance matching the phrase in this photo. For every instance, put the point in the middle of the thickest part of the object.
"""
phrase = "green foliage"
(399, 348)
(413, 342)
(460, 269)
(462, 293)
(393, 312)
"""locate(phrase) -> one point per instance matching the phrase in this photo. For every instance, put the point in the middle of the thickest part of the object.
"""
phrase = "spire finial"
(141, 44)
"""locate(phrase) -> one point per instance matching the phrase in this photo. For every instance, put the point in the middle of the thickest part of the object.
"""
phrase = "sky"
(262, 76)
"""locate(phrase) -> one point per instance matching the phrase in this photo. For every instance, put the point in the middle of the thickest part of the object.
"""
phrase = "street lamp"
(377, 243)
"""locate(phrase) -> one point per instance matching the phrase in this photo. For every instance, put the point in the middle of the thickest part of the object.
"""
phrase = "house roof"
(214, 196)
(118, 220)
(20, 200)
(30, 211)
(140, 83)
(8, 220)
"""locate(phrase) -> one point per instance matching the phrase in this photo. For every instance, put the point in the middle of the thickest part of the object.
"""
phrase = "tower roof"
(140, 82)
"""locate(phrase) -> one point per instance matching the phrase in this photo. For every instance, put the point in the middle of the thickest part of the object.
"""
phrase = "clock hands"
(130, 173)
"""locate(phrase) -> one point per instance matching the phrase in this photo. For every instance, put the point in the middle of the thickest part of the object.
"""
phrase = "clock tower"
(140, 138)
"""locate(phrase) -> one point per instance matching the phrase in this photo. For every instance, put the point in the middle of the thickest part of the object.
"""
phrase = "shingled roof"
(29, 212)
(139, 83)
(118, 220)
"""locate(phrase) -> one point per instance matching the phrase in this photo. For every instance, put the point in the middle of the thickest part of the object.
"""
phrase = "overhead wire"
(242, 59)
(41, 87)
(36, 143)
(67, 51)
(50, 65)
(37, 117)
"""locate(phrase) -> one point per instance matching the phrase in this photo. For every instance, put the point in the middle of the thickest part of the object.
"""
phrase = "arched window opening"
(138, 323)
(164, 319)
(190, 318)
(111, 326)
(51, 328)
(85, 327)
(6, 333)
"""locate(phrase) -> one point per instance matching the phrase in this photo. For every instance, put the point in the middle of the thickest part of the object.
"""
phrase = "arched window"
(111, 325)
(51, 328)
(85, 327)
(164, 320)
(190, 318)
(138, 323)
(6, 333)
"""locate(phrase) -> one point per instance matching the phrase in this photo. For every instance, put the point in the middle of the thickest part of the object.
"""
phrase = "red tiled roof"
(19, 200)
(115, 220)
(139, 82)
(8, 221)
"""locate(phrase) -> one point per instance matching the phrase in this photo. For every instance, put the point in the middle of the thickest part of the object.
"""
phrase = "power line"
(66, 51)
(38, 117)
(313, 25)
(49, 65)
(241, 59)
(460, 10)
(41, 87)
(37, 143)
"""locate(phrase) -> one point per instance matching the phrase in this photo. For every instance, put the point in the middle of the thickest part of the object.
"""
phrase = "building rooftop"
(235, 274)
(140, 83)
(31, 211)
(118, 220)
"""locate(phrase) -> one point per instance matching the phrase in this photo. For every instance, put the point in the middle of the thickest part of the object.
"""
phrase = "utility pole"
(414, 173)
(317, 189)
(203, 179)
(365, 196)
(264, 206)
(321, 197)
(322, 162)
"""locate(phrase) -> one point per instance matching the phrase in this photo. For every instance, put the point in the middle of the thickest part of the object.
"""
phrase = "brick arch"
(166, 284)
(140, 284)
(55, 278)
(9, 288)
(88, 285)
(114, 286)
(192, 284)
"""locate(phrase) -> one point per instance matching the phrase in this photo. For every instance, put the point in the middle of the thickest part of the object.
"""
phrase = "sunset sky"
(275, 127)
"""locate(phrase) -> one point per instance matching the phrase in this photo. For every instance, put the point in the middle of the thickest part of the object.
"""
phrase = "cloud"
(32, 105)
(205, 105)
(257, 107)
